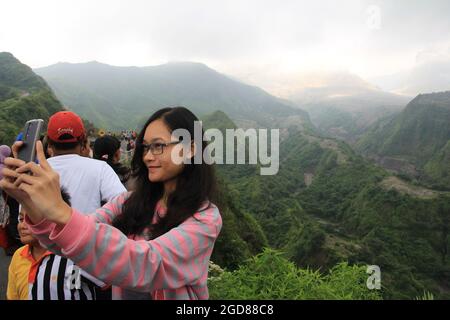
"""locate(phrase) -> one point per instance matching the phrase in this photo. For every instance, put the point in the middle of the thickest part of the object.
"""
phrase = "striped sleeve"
(105, 214)
(111, 209)
(177, 258)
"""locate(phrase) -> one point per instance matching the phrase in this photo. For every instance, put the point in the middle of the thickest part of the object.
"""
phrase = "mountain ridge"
(134, 92)
(23, 96)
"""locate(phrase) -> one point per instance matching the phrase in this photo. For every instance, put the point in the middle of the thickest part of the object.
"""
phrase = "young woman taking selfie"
(152, 243)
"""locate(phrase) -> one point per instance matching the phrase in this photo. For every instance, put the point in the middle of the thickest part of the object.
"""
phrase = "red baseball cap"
(65, 123)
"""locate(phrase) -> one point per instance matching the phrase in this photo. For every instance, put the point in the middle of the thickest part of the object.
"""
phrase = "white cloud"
(232, 36)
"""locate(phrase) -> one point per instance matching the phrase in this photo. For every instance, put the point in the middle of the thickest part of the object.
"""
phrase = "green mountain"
(327, 205)
(348, 118)
(438, 168)
(415, 142)
(218, 120)
(124, 97)
(344, 106)
(23, 96)
(241, 237)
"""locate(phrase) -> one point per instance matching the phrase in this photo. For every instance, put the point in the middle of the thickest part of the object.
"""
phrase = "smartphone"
(31, 134)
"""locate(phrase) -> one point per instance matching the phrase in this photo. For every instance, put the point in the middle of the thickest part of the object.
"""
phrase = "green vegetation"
(23, 96)
(327, 209)
(271, 276)
(344, 106)
(437, 170)
(418, 137)
(345, 215)
(241, 236)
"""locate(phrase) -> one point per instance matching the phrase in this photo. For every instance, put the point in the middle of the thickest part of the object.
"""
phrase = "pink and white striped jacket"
(172, 266)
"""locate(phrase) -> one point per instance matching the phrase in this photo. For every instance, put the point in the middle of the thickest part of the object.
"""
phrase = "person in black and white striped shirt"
(58, 278)
(49, 276)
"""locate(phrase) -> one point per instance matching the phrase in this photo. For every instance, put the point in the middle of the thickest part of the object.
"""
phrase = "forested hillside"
(23, 96)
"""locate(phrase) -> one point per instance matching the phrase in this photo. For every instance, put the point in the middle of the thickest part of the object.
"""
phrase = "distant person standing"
(107, 149)
(88, 181)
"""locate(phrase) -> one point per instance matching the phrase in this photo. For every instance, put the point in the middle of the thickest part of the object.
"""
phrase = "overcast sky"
(368, 38)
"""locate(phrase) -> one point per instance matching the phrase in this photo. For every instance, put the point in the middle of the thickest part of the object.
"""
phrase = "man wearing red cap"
(89, 182)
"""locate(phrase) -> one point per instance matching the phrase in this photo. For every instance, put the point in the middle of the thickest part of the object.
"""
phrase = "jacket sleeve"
(175, 259)
(105, 214)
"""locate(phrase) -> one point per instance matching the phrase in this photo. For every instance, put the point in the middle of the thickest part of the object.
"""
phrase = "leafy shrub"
(271, 276)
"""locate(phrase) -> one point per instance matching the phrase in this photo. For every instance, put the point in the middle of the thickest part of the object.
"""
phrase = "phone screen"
(31, 134)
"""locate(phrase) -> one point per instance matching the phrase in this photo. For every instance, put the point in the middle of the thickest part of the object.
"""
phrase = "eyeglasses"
(156, 148)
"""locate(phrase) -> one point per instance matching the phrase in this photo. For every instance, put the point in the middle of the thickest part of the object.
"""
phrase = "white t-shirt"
(87, 181)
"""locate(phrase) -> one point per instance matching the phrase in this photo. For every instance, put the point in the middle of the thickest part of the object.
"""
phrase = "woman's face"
(160, 167)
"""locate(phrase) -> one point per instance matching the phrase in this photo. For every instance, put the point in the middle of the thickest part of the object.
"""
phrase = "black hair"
(63, 146)
(65, 196)
(44, 140)
(104, 149)
(196, 184)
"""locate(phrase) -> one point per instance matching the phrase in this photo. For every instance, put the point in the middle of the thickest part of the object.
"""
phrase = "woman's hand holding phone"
(40, 192)
(10, 176)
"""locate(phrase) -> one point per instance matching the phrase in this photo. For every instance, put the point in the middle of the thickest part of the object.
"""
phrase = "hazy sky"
(369, 38)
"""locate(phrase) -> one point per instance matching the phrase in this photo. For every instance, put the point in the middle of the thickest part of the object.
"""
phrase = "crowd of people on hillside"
(80, 225)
